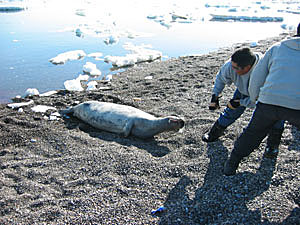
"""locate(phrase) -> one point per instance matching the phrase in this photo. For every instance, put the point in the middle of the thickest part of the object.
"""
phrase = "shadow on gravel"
(296, 137)
(221, 199)
(150, 145)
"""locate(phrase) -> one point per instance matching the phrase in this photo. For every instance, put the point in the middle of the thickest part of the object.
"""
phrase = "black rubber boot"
(215, 132)
(273, 142)
(231, 165)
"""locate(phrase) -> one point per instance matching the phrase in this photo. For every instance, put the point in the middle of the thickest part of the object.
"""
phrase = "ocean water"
(44, 29)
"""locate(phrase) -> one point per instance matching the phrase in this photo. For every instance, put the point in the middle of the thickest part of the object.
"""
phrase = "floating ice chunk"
(288, 27)
(42, 108)
(91, 86)
(11, 8)
(249, 18)
(96, 55)
(121, 61)
(73, 85)
(112, 39)
(78, 32)
(20, 104)
(80, 12)
(48, 93)
(175, 17)
(253, 44)
(83, 77)
(139, 54)
(66, 56)
(91, 68)
(152, 17)
(31, 92)
(165, 24)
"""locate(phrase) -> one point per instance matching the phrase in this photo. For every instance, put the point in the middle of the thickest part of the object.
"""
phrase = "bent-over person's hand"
(233, 103)
(214, 103)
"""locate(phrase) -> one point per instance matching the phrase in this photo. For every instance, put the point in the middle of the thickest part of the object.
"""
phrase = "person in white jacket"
(237, 70)
(275, 87)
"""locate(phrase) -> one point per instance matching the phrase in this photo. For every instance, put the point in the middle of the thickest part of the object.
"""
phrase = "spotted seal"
(122, 119)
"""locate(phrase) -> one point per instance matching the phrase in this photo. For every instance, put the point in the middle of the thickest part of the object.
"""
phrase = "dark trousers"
(229, 116)
(263, 118)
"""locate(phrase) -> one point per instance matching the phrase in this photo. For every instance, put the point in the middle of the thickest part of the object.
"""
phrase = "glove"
(214, 102)
(233, 103)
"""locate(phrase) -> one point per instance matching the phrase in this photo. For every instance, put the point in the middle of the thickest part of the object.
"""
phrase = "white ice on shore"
(19, 104)
(31, 92)
(138, 54)
(91, 69)
(42, 108)
(108, 77)
(92, 86)
(48, 93)
(66, 56)
(73, 85)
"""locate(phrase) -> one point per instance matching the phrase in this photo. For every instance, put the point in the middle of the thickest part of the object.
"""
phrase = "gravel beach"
(66, 172)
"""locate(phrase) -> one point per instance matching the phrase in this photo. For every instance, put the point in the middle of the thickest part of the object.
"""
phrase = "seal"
(123, 119)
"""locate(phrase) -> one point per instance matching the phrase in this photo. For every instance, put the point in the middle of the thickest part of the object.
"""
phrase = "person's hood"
(293, 43)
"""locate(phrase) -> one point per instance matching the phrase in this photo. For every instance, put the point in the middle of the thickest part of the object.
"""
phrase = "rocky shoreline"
(65, 172)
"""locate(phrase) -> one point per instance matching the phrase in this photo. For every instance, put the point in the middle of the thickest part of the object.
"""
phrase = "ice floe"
(96, 55)
(91, 69)
(141, 53)
(7, 8)
(31, 92)
(246, 18)
(67, 56)
(83, 77)
(73, 85)
(112, 39)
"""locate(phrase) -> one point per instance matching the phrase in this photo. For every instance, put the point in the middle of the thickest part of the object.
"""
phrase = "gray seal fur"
(123, 119)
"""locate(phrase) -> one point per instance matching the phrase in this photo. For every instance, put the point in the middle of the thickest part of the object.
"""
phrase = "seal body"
(122, 119)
